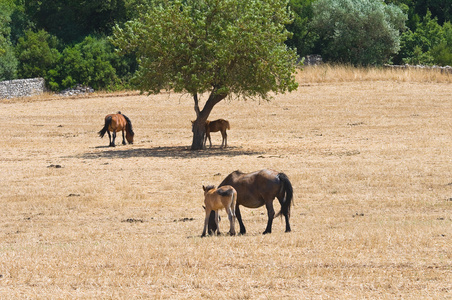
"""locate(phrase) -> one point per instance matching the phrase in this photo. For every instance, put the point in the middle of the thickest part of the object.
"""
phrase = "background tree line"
(68, 41)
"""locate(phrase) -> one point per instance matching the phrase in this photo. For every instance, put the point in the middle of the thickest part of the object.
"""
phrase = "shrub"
(360, 32)
(89, 63)
(37, 54)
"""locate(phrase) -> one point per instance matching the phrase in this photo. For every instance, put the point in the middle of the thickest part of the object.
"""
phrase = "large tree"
(219, 47)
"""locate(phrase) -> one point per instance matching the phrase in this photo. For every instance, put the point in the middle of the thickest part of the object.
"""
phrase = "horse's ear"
(192, 122)
(203, 187)
(204, 207)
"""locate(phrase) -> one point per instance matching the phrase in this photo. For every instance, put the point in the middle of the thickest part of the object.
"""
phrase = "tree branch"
(195, 97)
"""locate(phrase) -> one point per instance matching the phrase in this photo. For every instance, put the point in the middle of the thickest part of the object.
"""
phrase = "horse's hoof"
(266, 232)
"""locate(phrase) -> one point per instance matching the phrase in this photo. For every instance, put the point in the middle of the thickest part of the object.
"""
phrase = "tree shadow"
(169, 151)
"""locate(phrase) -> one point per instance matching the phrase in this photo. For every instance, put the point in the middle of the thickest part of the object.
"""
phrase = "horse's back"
(255, 187)
(118, 122)
(226, 190)
(217, 125)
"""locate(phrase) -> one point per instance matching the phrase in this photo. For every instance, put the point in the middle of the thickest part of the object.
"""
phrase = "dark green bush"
(37, 53)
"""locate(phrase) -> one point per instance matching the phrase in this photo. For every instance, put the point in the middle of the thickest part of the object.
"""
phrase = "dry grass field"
(367, 151)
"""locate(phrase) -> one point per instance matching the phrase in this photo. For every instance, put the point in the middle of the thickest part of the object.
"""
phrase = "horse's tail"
(107, 124)
(287, 189)
(228, 127)
(129, 123)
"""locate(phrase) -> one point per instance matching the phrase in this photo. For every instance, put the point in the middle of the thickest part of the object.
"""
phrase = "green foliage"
(428, 44)
(360, 32)
(8, 61)
(224, 47)
(37, 54)
(88, 63)
(442, 53)
(440, 9)
(303, 38)
(72, 20)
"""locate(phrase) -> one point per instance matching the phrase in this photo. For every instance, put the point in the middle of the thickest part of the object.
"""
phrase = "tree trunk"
(199, 127)
(199, 132)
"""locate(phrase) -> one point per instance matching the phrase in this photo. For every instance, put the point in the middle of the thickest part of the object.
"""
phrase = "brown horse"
(260, 188)
(215, 199)
(115, 123)
(214, 126)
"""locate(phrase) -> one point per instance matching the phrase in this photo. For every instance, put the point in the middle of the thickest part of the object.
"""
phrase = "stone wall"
(313, 60)
(446, 69)
(21, 88)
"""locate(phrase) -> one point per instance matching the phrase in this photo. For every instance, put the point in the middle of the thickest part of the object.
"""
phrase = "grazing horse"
(260, 188)
(214, 126)
(215, 199)
(115, 123)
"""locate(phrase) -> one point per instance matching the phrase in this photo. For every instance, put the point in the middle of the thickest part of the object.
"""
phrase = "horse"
(115, 123)
(257, 189)
(214, 126)
(219, 198)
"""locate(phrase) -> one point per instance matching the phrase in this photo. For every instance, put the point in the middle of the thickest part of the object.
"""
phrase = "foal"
(214, 126)
(215, 199)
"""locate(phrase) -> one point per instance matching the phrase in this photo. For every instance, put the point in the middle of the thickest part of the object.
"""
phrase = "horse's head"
(207, 188)
(129, 136)
(129, 130)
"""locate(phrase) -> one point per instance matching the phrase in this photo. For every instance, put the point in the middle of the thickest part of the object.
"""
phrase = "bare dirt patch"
(370, 162)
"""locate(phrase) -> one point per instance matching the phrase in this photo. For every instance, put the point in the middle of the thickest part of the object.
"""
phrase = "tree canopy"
(361, 32)
(224, 48)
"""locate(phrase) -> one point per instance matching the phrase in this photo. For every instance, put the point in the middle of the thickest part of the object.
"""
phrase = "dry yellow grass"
(369, 159)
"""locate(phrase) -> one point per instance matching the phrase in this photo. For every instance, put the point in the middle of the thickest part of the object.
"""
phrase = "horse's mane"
(209, 187)
(129, 128)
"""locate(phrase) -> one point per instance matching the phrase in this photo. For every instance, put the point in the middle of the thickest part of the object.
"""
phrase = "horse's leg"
(238, 215)
(271, 215)
(222, 139)
(286, 215)
(112, 144)
(123, 137)
(208, 137)
(206, 222)
(109, 138)
(231, 221)
(217, 222)
(210, 140)
(225, 138)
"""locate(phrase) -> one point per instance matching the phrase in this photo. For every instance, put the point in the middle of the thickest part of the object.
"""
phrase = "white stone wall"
(21, 88)
(446, 69)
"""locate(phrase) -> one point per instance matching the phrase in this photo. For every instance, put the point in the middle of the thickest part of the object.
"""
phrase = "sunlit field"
(368, 152)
